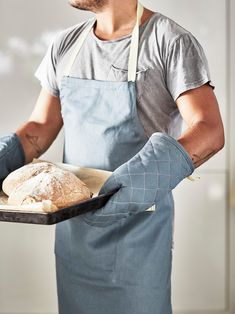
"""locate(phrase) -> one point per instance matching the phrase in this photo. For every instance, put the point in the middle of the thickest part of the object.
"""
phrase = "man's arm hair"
(42, 128)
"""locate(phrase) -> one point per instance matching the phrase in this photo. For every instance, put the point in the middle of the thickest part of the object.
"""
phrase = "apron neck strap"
(133, 56)
(78, 46)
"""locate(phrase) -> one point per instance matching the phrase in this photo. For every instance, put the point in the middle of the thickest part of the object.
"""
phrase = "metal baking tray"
(62, 214)
(94, 179)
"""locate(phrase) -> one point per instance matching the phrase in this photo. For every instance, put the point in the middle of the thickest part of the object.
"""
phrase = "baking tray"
(62, 214)
(94, 179)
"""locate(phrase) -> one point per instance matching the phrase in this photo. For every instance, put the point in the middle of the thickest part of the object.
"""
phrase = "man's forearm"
(202, 141)
(35, 139)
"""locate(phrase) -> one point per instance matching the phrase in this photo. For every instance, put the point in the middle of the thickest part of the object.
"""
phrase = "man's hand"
(11, 154)
(205, 134)
(43, 126)
(144, 180)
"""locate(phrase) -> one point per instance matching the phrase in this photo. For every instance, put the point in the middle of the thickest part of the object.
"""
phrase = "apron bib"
(124, 267)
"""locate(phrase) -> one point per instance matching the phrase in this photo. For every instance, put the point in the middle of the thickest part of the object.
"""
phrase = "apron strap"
(77, 48)
(133, 56)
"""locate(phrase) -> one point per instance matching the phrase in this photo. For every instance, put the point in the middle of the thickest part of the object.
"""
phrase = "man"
(120, 85)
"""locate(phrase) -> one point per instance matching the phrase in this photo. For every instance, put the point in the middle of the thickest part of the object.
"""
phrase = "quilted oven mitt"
(12, 155)
(145, 179)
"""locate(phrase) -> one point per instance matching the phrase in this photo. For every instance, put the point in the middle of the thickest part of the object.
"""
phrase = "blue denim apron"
(123, 267)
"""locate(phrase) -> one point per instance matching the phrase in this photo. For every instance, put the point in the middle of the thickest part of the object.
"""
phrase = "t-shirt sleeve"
(46, 72)
(186, 66)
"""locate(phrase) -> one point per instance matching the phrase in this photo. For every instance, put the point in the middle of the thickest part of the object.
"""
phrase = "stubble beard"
(88, 5)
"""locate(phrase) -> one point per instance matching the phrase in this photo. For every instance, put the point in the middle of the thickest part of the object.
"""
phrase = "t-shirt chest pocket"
(121, 75)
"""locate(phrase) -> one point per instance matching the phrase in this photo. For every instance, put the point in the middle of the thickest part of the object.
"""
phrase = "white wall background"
(203, 254)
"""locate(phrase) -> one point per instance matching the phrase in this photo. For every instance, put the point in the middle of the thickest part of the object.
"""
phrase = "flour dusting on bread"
(41, 181)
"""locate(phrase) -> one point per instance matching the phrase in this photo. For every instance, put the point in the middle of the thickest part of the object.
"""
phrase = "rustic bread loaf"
(24, 173)
(44, 181)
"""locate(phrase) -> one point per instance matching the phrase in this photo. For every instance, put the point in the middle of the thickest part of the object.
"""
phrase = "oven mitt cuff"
(148, 177)
(12, 154)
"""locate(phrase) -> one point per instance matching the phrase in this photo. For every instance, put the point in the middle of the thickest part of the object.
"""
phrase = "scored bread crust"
(46, 182)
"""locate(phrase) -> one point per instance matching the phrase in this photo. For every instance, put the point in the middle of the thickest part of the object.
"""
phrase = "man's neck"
(118, 19)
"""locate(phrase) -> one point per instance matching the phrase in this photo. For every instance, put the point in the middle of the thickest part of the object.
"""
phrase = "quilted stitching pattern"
(147, 177)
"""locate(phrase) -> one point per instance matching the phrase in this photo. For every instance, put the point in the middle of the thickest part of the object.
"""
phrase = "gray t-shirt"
(170, 62)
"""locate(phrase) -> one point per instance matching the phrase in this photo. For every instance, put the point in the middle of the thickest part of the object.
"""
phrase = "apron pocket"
(93, 250)
(118, 74)
(102, 220)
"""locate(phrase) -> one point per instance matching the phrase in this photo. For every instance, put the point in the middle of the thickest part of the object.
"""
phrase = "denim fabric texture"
(12, 154)
(117, 263)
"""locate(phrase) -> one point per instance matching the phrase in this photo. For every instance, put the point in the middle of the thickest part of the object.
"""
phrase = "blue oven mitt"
(12, 155)
(144, 180)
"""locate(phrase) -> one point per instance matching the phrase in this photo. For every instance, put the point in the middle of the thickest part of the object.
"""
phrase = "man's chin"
(88, 5)
(78, 4)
